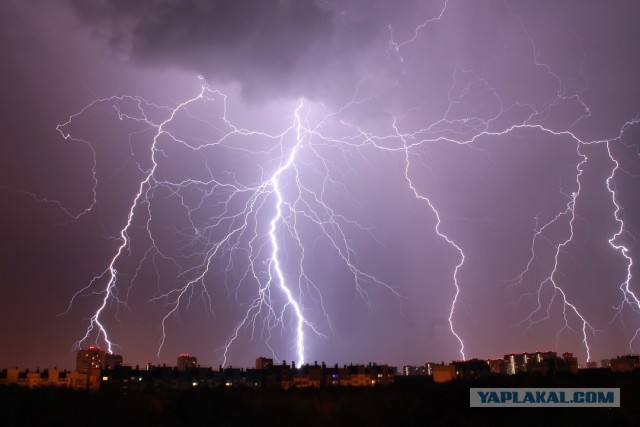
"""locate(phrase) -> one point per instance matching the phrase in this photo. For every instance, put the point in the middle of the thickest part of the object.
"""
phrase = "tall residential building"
(93, 360)
(112, 361)
(516, 363)
(186, 362)
(264, 363)
(529, 362)
(90, 361)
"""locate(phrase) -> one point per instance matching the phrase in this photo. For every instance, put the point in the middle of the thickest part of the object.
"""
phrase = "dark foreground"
(411, 401)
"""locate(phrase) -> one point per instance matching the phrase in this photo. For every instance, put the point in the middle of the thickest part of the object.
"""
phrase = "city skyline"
(95, 358)
(430, 180)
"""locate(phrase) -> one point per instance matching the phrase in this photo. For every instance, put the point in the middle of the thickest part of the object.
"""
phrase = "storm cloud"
(271, 48)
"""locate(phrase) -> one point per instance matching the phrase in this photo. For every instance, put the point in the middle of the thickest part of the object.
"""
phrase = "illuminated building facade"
(426, 369)
(516, 363)
(90, 361)
(49, 378)
(186, 362)
(93, 360)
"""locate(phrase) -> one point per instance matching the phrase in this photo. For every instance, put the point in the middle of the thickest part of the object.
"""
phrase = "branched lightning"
(271, 209)
(446, 130)
(419, 196)
(396, 46)
(254, 229)
(629, 298)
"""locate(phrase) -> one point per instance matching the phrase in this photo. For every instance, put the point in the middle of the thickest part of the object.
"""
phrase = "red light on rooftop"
(184, 355)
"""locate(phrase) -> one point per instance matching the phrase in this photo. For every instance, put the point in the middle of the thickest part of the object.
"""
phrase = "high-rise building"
(90, 361)
(264, 363)
(186, 362)
(516, 363)
(93, 360)
(112, 361)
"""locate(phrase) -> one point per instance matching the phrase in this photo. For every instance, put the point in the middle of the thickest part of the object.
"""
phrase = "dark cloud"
(272, 48)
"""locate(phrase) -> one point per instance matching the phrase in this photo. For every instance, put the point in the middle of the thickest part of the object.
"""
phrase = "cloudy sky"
(345, 181)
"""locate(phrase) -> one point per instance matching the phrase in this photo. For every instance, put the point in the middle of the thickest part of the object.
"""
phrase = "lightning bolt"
(438, 231)
(262, 221)
(281, 196)
(446, 129)
(629, 298)
(275, 268)
(396, 46)
(109, 292)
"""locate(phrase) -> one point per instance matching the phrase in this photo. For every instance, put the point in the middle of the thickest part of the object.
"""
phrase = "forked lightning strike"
(629, 298)
(242, 231)
(260, 221)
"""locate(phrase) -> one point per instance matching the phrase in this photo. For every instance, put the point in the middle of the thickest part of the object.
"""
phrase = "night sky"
(374, 181)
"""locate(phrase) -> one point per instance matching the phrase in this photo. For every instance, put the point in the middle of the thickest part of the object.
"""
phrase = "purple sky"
(388, 150)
